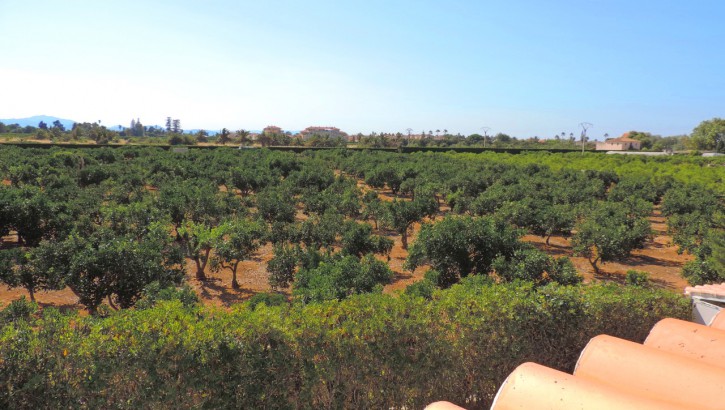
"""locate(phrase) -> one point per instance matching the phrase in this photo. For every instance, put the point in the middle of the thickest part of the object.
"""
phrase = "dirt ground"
(659, 258)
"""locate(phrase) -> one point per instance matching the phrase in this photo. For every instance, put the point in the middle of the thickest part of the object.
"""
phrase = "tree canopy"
(709, 135)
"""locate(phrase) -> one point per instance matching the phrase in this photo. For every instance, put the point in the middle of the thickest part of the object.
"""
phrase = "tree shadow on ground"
(641, 260)
(620, 278)
(226, 295)
(553, 249)
(656, 245)
(399, 277)
(63, 308)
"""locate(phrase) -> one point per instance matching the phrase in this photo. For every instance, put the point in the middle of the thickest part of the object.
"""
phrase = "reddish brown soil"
(659, 258)
(217, 289)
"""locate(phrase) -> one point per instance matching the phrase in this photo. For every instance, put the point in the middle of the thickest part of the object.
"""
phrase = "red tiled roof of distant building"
(622, 139)
(319, 130)
(272, 129)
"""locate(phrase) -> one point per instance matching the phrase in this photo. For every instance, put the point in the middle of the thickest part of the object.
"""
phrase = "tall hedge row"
(369, 351)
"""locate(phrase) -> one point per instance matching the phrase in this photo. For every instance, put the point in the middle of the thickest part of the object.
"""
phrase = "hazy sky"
(521, 67)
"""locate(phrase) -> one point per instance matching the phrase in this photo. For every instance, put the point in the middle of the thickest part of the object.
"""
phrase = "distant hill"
(36, 119)
(68, 124)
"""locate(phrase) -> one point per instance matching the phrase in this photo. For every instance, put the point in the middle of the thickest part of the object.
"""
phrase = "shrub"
(340, 277)
(19, 309)
(269, 299)
(283, 265)
(461, 246)
(636, 278)
(154, 293)
(179, 139)
(536, 266)
(424, 288)
(367, 351)
(702, 271)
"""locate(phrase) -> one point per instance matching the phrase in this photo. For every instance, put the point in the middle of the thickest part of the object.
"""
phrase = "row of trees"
(696, 221)
(500, 140)
(607, 212)
(708, 135)
(75, 211)
(155, 211)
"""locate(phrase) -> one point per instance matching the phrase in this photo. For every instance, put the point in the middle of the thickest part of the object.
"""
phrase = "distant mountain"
(195, 130)
(191, 131)
(68, 124)
(36, 119)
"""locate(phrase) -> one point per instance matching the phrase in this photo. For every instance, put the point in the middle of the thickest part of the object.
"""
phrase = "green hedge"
(369, 351)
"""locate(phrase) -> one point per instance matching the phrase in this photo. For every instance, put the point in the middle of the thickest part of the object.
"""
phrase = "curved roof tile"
(532, 386)
(648, 372)
(689, 340)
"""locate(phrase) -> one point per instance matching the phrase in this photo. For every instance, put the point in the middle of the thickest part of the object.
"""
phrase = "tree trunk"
(31, 291)
(235, 284)
(404, 239)
(201, 262)
(199, 269)
(547, 239)
(594, 264)
(111, 304)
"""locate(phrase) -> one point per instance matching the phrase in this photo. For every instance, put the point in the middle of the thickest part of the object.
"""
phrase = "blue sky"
(526, 68)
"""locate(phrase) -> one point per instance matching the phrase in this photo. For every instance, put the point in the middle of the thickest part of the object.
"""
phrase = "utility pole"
(585, 126)
(485, 134)
(410, 130)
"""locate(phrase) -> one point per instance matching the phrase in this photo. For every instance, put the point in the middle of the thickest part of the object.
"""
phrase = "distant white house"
(623, 143)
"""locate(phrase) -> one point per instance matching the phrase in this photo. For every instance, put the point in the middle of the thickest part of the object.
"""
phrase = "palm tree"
(243, 136)
(223, 136)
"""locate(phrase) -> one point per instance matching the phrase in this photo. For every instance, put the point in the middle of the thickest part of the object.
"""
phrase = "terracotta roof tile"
(532, 386)
(648, 372)
(443, 405)
(690, 340)
(622, 139)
